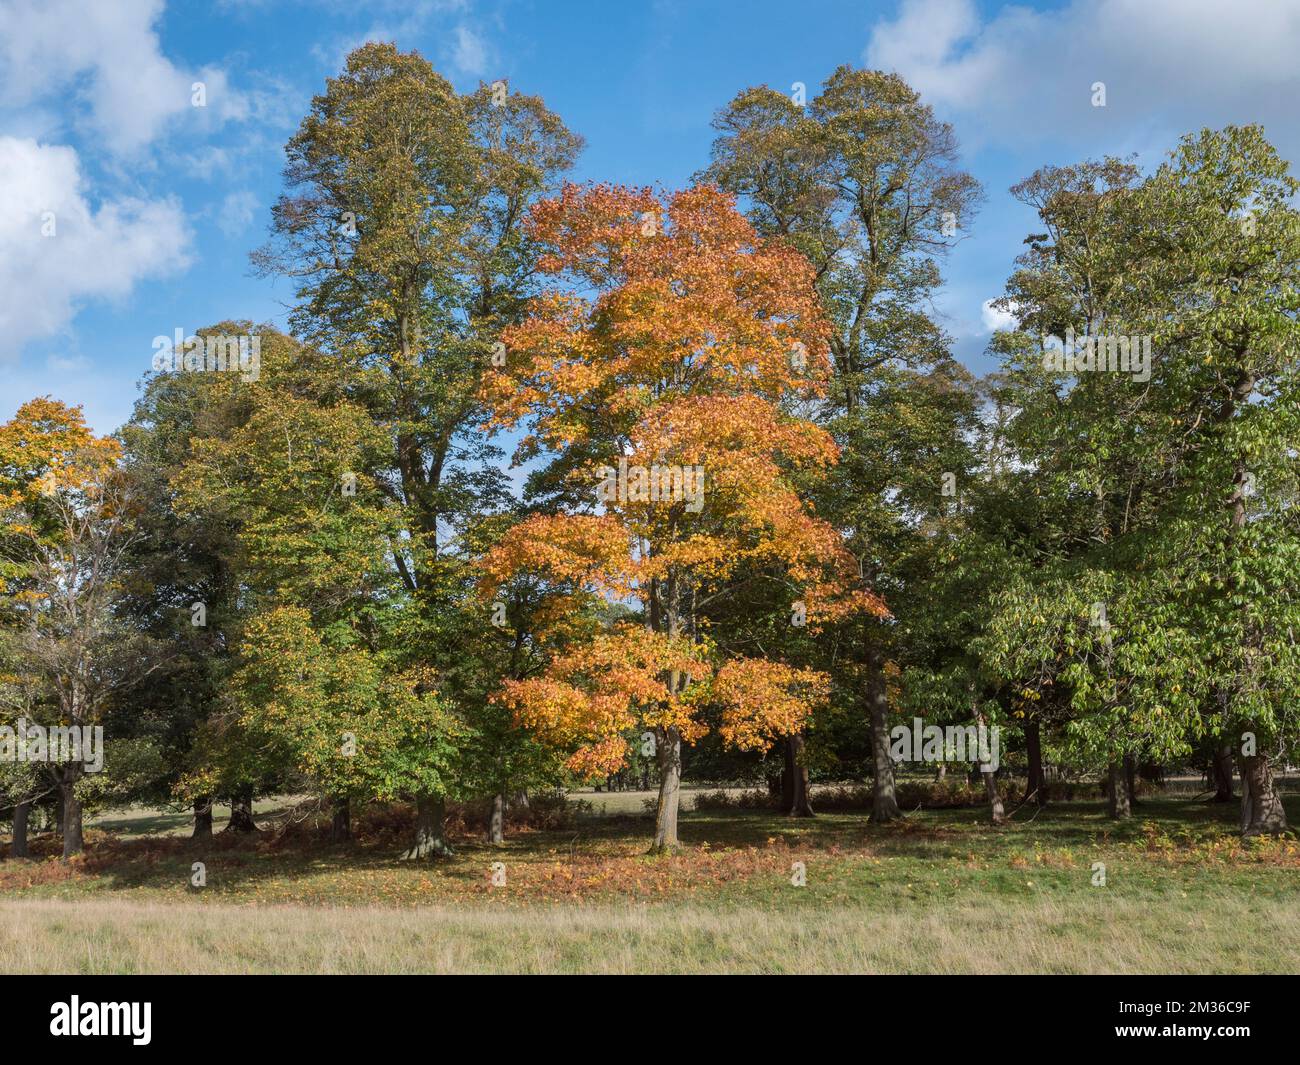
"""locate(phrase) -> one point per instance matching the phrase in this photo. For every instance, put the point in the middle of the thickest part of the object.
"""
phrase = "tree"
(530, 620)
(22, 784)
(67, 534)
(402, 222)
(1189, 638)
(680, 367)
(347, 722)
(865, 183)
(185, 585)
(1218, 282)
(319, 693)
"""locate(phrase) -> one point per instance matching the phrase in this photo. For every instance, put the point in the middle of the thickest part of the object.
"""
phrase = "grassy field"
(938, 892)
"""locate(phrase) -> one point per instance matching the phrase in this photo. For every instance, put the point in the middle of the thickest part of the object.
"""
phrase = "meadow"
(940, 891)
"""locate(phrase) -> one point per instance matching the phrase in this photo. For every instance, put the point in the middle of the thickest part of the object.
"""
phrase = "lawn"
(940, 891)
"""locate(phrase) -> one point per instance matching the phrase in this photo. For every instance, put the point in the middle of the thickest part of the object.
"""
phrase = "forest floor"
(939, 891)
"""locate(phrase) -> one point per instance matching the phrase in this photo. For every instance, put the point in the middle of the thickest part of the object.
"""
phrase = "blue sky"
(156, 203)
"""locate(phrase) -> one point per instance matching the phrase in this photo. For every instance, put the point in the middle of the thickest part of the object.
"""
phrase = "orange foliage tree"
(66, 532)
(665, 369)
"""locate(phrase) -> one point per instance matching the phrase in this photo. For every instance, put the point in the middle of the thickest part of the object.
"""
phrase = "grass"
(1091, 935)
(131, 821)
(938, 892)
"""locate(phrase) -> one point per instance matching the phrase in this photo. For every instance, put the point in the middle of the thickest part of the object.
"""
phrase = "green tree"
(866, 183)
(1161, 600)
(402, 222)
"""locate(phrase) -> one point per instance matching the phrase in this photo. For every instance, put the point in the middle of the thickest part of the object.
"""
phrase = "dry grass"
(1042, 936)
(941, 891)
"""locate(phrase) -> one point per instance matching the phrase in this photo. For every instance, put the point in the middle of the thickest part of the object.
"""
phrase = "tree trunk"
(202, 818)
(1130, 778)
(1262, 813)
(1117, 804)
(430, 813)
(21, 813)
(497, 826)
(787, 777)
(670, 782)
(1037, 786)
(884, 799)
(800, 803)
(72, 827)
(996, 811)
(241, 811)
(1223, 774)
(341, 825)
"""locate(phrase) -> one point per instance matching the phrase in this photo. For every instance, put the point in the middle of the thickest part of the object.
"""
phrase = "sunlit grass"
(1085, 934)
(941, 891)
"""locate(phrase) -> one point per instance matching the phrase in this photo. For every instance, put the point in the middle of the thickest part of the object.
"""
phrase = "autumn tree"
(659, 372)
(865, 182)
(402, 224)
(67, 533)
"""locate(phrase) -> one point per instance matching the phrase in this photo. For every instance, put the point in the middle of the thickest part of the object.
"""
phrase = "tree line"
(766, 515)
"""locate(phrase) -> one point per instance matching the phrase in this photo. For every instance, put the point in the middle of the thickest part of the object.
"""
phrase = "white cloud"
(68, 363)
(994, 318)
(1169, 66)
(236, 212)
(109, 57)
(93, 253)
(470, 55)
(460, 50)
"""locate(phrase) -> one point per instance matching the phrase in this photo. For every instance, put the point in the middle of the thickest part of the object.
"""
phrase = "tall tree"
(1219, 281)
(403, 224)
(66, 537)
(679, 364)
(1172, 483)
(865, 182)
(185, 586)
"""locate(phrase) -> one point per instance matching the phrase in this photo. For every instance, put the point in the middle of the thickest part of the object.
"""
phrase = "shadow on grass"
(297, 860)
